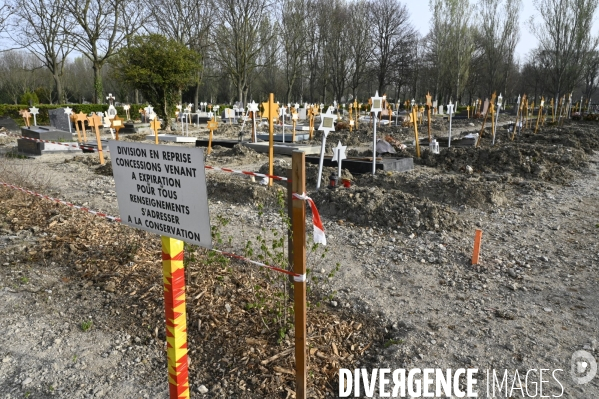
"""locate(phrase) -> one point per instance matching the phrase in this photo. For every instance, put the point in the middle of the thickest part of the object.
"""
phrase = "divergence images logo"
(584, 367)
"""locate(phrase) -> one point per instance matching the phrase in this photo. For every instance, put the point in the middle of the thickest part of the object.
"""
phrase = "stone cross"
(110, 99)
(34, 111)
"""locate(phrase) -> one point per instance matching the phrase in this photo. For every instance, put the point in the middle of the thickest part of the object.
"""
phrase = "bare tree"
(336, 48)
(451, 45)
(100, 32)
(497, 37)
(393, 35)
(294, 28)
(42, 27)
(565, 41)
(18, 73)
(359, 44)
(238, 39)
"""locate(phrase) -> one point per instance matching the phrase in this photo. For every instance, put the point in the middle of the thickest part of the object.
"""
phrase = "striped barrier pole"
(176, 326)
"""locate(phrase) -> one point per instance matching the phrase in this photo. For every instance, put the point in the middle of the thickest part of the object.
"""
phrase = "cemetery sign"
(162, 189)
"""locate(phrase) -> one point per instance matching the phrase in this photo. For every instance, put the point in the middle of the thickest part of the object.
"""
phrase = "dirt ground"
(403, 242)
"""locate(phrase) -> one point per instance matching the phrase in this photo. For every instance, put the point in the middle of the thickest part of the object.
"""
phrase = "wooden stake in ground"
(310, 112)
(476, 252)
(155, 125)
(540, 114)
(468, 110)
(271, 110)
(415, 121)
(212, 126)
(552, 104)
(173, 273)
(81, 118)
(294, 117)
(298, 222)
(26, 115)
(482, 129)
(94, 122)
(428, 106)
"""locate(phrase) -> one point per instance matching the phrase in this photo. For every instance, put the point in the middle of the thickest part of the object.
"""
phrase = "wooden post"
(429, 106)
(212, 125)
(468, 110)
(540, 114)
(273, 110)
(155, 125)
(482, 129)
(173, 274)
(298, 165)
(415, 121)
(94, 123)
(476, 252)
(117, 124)
(81, 117)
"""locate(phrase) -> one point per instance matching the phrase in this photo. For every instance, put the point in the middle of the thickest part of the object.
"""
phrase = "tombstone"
(9, 124)
(440, 110)
(59, 120)
(111, 113)
(302, 113)
(435, 104)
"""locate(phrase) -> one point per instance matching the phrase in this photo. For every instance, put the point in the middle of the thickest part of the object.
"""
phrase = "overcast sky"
(421, 15)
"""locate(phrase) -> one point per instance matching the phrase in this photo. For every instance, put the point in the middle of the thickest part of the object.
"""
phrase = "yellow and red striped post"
(176, 326)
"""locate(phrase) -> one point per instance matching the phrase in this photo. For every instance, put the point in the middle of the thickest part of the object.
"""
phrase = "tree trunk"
(136, 96)
(98, 89)
(59, 91)
(196, 97)
(167, 119)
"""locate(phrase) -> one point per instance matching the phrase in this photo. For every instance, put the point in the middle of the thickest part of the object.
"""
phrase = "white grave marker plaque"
(162, 189)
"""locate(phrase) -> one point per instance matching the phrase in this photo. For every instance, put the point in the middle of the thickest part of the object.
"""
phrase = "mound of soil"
(574, 137)
(452, 189)
(391, 208)
(555, 164)
(236, 189)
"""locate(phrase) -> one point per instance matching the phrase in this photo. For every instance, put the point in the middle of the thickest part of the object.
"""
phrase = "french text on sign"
(162, 189)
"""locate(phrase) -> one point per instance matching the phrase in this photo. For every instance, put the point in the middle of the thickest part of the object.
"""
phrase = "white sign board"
(229, 113)
(162, 189)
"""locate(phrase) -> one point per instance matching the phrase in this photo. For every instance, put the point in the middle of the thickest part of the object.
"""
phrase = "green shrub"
(43, 118)
(29, 98)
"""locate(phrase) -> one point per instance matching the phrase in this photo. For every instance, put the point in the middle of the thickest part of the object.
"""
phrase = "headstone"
(111, 113)
(8, 123)
(58, 119)
(440, 110)
(302, 113)
(485, 106)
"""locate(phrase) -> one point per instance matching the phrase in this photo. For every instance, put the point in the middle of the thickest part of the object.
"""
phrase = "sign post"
(212, 126)
(117, 124)
(155, 125)
(162, 189)
(298, 217)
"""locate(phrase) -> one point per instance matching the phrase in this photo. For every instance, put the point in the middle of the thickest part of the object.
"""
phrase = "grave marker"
(377, 105)
(499, 103)
(327, 124)
(253, 108)
(482, 129)
(34, 111)
(106, 123)
(339, 155)
(117, 124)
(81, 118)
(68, 111)
(271, 110)
(450, 110)
(155, 125)
(126, 108)
(540, 113)
(26, 115)
(94, 122)
(429, 106)
(415, 122)
(212, 125)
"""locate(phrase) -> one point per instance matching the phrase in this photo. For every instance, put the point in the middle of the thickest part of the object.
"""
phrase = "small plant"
(86, 325)
(393, 342)
(74, 358)
(24, 280)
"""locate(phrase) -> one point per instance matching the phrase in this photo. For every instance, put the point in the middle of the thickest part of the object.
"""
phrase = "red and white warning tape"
(296, 277)
(319, 236)
(243, 172)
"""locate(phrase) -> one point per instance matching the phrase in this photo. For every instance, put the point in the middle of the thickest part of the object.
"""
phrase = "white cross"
(339, 155)
(34, 111)
(377, 106)
(110, 98)
(68, 111)
(327, 124)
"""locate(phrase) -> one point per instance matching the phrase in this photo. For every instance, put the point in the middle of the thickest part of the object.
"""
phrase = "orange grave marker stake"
(26, 115)
(94, 122)
(117, 124)
(415, 121)
(176, 325)
(476, 252)
(271, 110)
(155, 125)
(429, 105)
(212, 126)
(294, 117)
(540, 113)
(81, 118)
